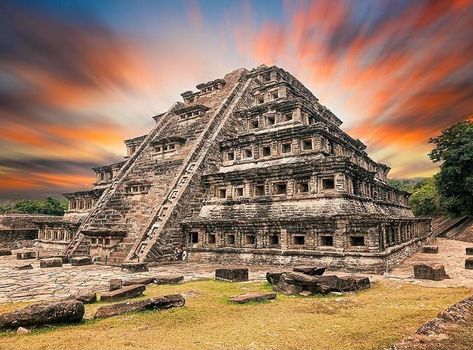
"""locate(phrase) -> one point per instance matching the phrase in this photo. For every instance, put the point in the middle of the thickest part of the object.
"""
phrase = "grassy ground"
(371, 319)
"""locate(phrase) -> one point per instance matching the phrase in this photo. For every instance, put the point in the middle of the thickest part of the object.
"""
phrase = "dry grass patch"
(370, 319)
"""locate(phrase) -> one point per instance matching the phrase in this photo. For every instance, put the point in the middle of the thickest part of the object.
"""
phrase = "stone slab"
(135, 266)
(434, 272)
(232, 274)
(50, 262)
(430, 249)
(310, 270)
(253, 297)
(24, 255)
(85, 297)
(169, 279)
(165, 302)
(24, 267)
(81, 260)
(133, 291)
(144, 280)
(469, 251)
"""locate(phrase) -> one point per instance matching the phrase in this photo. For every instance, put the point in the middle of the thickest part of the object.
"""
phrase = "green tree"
(53, 207)
(424, 199)
(454, 149)
(28, 206)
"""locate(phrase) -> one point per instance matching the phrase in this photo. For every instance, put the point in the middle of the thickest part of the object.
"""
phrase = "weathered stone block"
(232, 274)
(51, 262)
(85, 297)
(144, 280)
(26, 254)
(469, 263)
(135, 266)
(165, 302)
(435, 272)
(352, 283)
(44, 313)
(24, 267)
(430, 249)
(126, 292)
(310, 270)
(115, 284)
(286, 286)
(469, 251)
(253, 296)
(169, 279)
(5, 252)
(81, 260)
(273, 276)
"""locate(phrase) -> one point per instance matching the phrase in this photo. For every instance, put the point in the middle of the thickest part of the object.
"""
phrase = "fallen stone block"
(286, 286)
(5, 252)
(469, 263)
(50, 262)
(232, 274)
(115, 284)
(69, 311)
(310, 270)
(81, 260)
(144, 280)
(123, 293)
(326, 284)
(273, 276)
(135, 266)
(252, 296)
(434, 272)
(165, 302)
(169, 279)
(26, 254)
(430, 249)
(84, 297)
(353, 283)
(469, 251)
(24, 267)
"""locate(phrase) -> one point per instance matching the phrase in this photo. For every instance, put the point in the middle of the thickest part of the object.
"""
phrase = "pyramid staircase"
(80, 246)
(147, 248)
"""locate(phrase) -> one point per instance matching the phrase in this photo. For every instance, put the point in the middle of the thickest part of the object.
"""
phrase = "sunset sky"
(78, 77)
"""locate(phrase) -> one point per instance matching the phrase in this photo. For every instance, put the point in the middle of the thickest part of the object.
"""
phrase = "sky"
(79, 77)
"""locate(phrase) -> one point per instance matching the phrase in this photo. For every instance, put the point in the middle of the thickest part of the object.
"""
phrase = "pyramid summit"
(252, 168)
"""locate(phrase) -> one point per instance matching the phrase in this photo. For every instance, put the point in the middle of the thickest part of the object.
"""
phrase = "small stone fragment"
(135, 267)
(169, 279)
(50, 262)
(22, 330)
(434, 272)
(252, 296)
(126, 292)
(85, 297)
(5, 252)
(26, 254)
(24, 267)
(81, 260)
(469, 251)
(232, 274)
(115, 283)
(430, 249)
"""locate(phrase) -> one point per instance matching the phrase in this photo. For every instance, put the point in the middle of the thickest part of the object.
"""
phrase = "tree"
(454, 149)
(50, 206)
(53, 207)
(424, 199)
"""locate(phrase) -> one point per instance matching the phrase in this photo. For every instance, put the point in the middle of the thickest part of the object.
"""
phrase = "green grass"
(370, 319)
